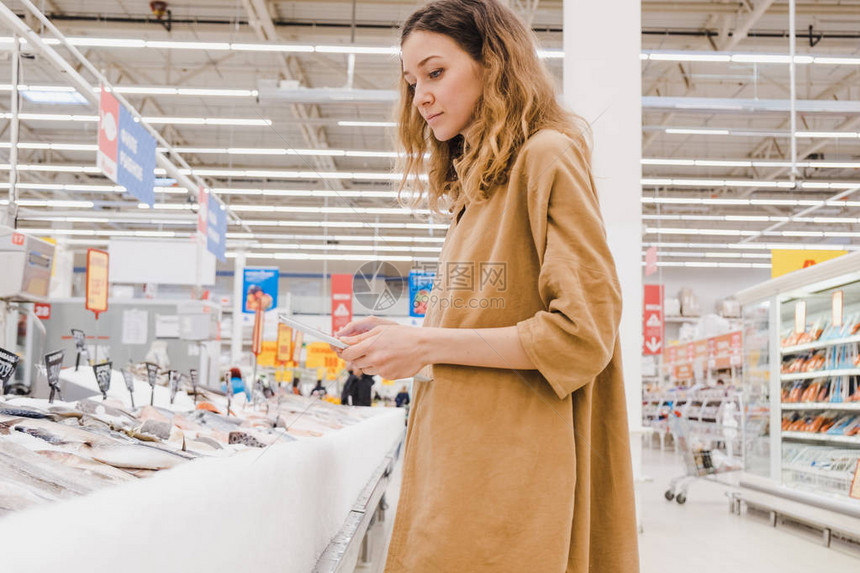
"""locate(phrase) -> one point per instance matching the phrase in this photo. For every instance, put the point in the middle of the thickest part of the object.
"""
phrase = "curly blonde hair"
(518, 100)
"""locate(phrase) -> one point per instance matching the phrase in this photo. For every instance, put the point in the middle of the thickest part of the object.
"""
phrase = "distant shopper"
(362, 389)
(518, 451)
(346, 394)
(319, 390)
(402, 398)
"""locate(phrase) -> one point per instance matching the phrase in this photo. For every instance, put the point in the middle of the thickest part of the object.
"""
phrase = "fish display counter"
(195, 485)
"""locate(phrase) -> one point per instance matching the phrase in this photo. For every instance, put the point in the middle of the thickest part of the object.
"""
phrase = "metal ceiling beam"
(314, 136)
(742, 29)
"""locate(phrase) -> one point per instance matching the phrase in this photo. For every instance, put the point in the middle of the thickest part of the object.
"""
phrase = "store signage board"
(8, 363)
(97, 281)
(650, 261)
(341, 301)
(653, 320)
(260, 289)
(784, 261)
(53, 365)
(420, 285)
(126, 150)
(836, 308)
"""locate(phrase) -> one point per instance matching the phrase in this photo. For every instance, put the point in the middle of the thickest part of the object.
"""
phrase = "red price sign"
(42, 310)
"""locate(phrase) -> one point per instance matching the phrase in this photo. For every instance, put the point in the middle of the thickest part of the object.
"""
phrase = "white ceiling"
(692, 232)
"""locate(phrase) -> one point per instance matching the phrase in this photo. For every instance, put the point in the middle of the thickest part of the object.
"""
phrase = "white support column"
(603, 83)
(236, 339)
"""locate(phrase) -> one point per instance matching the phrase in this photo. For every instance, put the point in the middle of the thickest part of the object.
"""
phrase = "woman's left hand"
(392, 351)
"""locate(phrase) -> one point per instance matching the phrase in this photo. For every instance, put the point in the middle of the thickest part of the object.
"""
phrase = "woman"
(517, 456)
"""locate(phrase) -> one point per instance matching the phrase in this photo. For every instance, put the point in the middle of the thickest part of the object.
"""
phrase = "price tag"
(192, 374)
(800, 317)
(836, 309)
(103, 375)
(151, 373)
(128, 378)
(151, 377)
(8, 363)
(173, 383)
(53, 365)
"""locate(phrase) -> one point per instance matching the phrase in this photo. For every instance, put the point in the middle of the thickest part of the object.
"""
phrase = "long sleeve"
(572, 341)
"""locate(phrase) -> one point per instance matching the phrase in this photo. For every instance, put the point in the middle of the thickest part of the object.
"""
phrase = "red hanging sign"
(257, 343)
(341, 301)
(653, 320)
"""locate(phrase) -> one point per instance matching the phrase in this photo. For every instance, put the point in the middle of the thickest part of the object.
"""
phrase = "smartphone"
(311, 331)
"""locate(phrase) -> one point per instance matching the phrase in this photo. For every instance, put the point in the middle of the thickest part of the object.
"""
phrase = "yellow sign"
(320, 355)
(268, 354)
(784, 261)
(97, 281)
(285, 343)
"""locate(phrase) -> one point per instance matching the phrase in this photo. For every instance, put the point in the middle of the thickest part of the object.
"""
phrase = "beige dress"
(524, 471)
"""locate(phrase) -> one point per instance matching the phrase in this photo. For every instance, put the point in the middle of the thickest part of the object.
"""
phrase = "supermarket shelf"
(820, 374)
(680, 318)
(841, 406)
(819, 344)
(823, 438)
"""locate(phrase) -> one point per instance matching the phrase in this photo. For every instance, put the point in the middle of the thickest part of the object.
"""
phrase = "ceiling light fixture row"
(653, 55)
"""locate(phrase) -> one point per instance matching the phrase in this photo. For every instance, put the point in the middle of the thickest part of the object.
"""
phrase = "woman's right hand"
(360, 326)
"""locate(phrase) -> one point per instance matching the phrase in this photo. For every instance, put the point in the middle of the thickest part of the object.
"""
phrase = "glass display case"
(755, 388)
(801, 379)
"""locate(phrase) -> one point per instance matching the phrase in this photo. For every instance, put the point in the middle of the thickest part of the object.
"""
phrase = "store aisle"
(700, 536)
(703, 536)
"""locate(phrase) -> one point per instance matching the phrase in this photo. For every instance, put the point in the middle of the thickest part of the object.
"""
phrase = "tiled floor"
(700, 536)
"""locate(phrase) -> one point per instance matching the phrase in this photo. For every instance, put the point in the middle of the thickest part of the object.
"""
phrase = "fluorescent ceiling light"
(294, 48)
(52, 97)
(750, 246)
(695, 131)
(748, 163)
(829, 134)
(367, 124)
(327, 210)
(206, 121)
(745, 58)
(715, 265)
(763, 202)
(389, 50)
(51, 117)
(325, 257)
(347, 49)
(149, 120)
(343, 224)
(340, 238)
(346, 248)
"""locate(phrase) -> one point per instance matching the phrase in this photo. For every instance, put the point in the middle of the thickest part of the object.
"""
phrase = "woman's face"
(446, 82)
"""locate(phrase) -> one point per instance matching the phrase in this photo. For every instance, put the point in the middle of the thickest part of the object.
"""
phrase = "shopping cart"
(700, 461)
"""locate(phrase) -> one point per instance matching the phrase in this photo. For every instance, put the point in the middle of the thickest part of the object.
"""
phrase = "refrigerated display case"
(801, 382)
